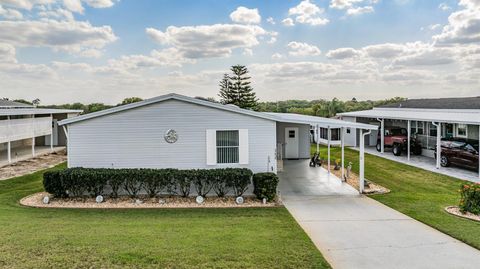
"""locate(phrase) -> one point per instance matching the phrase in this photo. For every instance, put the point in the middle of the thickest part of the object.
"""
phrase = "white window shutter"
(211, 147)
(243, 146)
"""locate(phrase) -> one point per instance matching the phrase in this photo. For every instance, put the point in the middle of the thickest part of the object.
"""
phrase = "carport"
(435, 117)
(319, 122)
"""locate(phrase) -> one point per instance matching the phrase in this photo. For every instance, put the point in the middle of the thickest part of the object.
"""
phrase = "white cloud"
(463, 26)
(99, 3)
(387, 50)
(360, 10)
(306, 13)
(7, 53)
(343, 53)
(288, 22)
(427, 57)
(70, 36)
(277, 56)
(246, 16)
(73, 5)
(10, 14)
(271, 20)
(302, 49)
(434, 26)
(343, 4)
(207, 41)
(247, 52)
(58, 14)
(444, 6)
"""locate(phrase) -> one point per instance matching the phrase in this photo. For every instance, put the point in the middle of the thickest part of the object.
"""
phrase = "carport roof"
(322, 122)
(34, 111)
(436, 115)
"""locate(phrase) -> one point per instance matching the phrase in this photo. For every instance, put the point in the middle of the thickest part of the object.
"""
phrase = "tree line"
(235, 88)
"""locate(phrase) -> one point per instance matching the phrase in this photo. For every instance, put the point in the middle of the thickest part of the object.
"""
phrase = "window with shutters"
(227, 146)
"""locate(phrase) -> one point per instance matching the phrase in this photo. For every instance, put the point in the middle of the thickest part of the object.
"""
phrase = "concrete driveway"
(354, 231)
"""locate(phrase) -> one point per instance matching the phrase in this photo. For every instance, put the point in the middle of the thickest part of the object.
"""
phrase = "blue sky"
(105, 50)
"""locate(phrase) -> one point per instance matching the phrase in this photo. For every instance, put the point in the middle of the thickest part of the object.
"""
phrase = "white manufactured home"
(175, 131)
(26, 131)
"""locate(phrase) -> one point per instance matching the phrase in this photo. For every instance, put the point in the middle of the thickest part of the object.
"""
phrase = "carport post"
(33, 135)
(51, 134)
(408, 140)
(439, 146)
(328, 146)
(9, 145)
(479, 152)
(342, 141)
(362, 160)
(318, 138)
(382, 135)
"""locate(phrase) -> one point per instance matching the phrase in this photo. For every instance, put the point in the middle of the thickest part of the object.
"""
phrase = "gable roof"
(170, 96)
(438, 103)
(12, 104)
(278, 117)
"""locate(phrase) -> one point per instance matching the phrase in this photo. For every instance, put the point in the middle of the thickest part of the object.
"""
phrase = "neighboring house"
(455, 117)
(175, 131)
(26, 130)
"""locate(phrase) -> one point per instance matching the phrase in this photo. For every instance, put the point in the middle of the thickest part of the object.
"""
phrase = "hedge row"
(80, 182)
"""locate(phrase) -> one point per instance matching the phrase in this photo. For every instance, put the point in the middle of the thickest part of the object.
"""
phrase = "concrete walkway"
(354, 231)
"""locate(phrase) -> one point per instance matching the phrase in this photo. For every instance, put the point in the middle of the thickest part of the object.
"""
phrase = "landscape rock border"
(455, 210)
(35, 200)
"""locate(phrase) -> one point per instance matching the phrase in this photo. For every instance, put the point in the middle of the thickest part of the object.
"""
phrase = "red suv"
(396, 138)
(459, 151)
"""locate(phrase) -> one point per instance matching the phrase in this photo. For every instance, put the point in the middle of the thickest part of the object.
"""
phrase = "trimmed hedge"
(265, 185)
(81, 182)
(470, 201)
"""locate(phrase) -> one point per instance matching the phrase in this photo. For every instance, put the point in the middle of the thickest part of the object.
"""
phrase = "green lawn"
(418, 193)
(163, 238)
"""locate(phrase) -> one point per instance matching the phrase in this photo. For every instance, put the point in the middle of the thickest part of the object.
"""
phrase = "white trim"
(211, 149)
(243, 146)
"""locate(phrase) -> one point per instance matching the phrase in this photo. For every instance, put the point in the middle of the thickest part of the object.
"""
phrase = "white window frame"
(211, 147)
(466, 130)
(237, 146)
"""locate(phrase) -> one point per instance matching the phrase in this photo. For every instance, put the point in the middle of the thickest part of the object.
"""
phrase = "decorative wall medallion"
(171, 136)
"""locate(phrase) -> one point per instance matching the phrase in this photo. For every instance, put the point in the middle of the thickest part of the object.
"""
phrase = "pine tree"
(225, 94)
(236, 89)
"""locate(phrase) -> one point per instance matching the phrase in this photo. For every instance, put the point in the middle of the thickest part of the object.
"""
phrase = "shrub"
(265, 185)
(221, 185)
(470, 201)
(133, 181)
(154, 182)
(240, 179)
(203, 181)
(78, 182)
(53, 184)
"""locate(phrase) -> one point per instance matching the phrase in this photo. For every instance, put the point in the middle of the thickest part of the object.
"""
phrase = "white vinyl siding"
(135, 138)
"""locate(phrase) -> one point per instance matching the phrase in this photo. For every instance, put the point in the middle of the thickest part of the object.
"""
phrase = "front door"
(291, 143)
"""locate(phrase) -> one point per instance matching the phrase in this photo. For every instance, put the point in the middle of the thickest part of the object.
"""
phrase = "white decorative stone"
(199, 199)
(99, 199)
(162, 201)
(46, 200)
(264, 201)
(239, 200)
(138, 201)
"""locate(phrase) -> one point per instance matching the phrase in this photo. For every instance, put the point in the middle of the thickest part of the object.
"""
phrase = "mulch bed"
(32, 165)
(36, 200)
(455, 210)
(353, 180)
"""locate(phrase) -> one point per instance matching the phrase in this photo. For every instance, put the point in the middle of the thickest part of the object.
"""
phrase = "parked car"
(460, 152)
(396, 138)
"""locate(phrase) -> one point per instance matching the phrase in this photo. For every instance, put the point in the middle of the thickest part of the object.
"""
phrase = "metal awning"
(35, 111)
(320, 121)
(435, 115)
